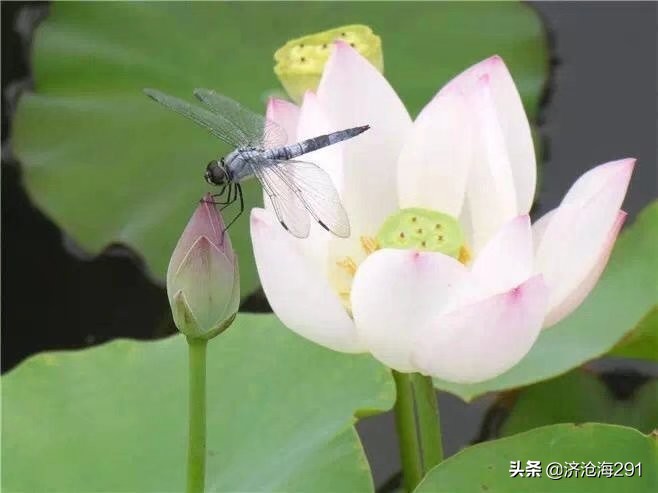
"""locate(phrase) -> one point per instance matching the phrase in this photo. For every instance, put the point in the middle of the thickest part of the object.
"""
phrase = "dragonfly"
(298, 190)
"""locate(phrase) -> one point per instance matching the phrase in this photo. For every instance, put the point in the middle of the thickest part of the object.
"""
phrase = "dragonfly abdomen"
(315, 143)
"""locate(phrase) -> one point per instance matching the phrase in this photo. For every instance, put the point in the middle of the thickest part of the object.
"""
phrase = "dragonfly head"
(216, 173)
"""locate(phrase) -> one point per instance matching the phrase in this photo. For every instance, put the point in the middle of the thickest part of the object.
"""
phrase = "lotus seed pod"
(300, 62)
(422, 229)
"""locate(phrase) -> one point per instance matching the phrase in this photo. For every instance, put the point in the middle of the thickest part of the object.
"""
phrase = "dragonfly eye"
(216, 173)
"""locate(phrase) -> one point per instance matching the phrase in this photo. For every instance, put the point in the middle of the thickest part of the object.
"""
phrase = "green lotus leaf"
(114, 418)
(579, 397)
(486, 467)
(641, 342)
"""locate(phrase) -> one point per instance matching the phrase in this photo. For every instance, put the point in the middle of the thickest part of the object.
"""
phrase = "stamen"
(369, 244)
(349, 265)
(464, 255)
(345, 300)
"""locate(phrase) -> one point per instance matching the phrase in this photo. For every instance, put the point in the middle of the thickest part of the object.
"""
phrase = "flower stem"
(405, 423)
(196, 450)
(429, 426)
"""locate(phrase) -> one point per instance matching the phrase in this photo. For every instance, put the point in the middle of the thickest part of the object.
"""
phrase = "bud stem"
(196, 451)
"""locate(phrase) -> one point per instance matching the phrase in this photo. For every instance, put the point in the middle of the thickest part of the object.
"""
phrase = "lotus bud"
(300, 62)
(203, 283)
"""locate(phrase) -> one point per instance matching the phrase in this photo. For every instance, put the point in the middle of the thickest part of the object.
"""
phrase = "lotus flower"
(443, 274)
(203, 283)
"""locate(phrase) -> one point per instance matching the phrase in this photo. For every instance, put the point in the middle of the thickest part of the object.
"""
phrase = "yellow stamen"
(349, 265)
(369, 244)
(464, 255)
(345, 299)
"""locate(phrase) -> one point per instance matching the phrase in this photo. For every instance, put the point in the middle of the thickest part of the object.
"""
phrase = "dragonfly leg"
(238, 195)
(223, 192)
(230, 197)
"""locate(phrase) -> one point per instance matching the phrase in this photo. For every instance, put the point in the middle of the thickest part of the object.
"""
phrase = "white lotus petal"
(490, 191)
(395, 292)
(506, 260)
(560, 309)
(435, 159)
(513, 124)
(579, 228)
(354, 93)
(299, 295)
(483, 340)
(613, 174)
(539, 228)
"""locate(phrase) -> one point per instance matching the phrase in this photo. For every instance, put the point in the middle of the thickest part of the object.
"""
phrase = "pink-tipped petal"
(395, 292)
(506, 260)
(483, 340)
(512, 123)
(578, 229)
(573, 299)
(613, 174)
(299, 295)
(490, 191)
(354, 93)
(435, 159)
(286, 114)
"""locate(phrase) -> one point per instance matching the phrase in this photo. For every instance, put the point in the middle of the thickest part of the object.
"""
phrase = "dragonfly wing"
(274, 135)
(215, 124)
(288, 207)
(257, 130)
(314, 188)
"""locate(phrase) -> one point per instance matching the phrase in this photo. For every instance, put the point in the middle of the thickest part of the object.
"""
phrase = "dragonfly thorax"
(217, 173)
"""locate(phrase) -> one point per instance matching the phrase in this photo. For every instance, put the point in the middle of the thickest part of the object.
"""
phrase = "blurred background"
(599, 105)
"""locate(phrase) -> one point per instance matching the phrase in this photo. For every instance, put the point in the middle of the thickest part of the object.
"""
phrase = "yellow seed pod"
(299, 63)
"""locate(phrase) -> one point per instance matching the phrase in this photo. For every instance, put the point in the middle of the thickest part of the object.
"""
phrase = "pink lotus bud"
(203, 282)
